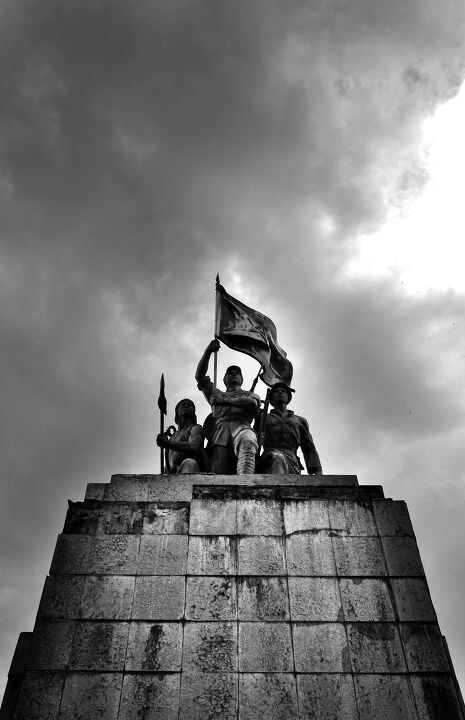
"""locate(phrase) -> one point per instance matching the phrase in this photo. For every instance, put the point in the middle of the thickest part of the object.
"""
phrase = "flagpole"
(215, 359)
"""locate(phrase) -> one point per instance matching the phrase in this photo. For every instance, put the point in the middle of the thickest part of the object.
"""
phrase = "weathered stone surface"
(150, 697)
(107, 597)
(211, 555)
(375, 648)
(159, 598)
(166, 519)
(436, 698)
(412, 599)
(261, 556)
(123, 519)
(261, 598)
(162, 555)
(115, 555)
(61, 597)
(310, 554)
(259, 517)
(99, 646)
(51, 645)
(95, 491)
(366, 600)
(315, 599)
(402, 556)
(272, 696)
(305, 515)
(424, 648)
(384, 697)
(70, 556)
(392, 517)
(154, 646)
(213, 517)
(91, 695)
(175, 488)
(84, 518)
(352, 518)
(327, 697)
(358, 556)
(46, 686)
(265, 647)
(128, 487)
(22, 649)
(208, 696)
(210, 647)
(320, 647)
(211, 598)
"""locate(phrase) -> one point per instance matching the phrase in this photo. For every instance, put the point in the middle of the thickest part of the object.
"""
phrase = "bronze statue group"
(232, 430)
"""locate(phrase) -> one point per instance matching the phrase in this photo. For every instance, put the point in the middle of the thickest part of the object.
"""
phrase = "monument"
(235, 595)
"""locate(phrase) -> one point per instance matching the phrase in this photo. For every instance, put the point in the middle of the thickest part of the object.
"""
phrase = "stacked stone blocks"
(236, 602)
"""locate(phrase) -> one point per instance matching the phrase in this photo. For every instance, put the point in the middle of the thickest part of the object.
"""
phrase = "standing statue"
(185, 446)
(233, 412)
(284, 434)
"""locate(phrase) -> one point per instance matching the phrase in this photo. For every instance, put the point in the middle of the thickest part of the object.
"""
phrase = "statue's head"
(233, 377)
(185, 408)
(280, 393)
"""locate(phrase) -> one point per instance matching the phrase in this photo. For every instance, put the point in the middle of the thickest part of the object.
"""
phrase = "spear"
(162, 408)
(261, 433)
(215, 359)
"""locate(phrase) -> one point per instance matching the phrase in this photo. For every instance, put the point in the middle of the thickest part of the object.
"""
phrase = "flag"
(161, 397)
(246, 330)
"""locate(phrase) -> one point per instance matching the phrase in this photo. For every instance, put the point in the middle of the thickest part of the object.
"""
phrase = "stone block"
(402, 556)
(51, 645)
(84, 518)
(305, 515)
(384, 697)
(95, 491)
(261, 556)
(123, 519)
(320, 648)
(271, 696)
(159, 598)
(366, 600)
(162, 555)
(154, 646)
(358, 556)
(213, 517)
(412, 599)
(115, 555)
(208, 696)
(424, 648)
(310, 554)
(392, 517)
(261, 598)
(150, 697)
(327, 697)
(22, 649)
(210, 647)
(436, 698)
(166, 519)
(375, 648)
(47, 686)
(61, 597)
(107, 597)
(259, 517)
(354, 518)
(265, 647)
(316, 599)
(211, 598)
(91, 695)
(211, 555)
(70, 556)
(134, 488)
(172, 488)
(99, 646)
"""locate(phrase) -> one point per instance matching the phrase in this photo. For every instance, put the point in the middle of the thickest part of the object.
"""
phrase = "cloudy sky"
(312, 153)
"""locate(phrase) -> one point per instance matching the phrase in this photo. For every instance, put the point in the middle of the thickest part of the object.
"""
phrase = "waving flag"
(246, 330)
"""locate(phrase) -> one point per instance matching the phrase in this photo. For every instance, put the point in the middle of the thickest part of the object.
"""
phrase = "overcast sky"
(311, 153)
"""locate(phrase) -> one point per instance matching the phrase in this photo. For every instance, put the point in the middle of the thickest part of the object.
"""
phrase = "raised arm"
(202, 367)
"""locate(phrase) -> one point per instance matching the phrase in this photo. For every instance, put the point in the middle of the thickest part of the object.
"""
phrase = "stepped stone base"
(237, 598)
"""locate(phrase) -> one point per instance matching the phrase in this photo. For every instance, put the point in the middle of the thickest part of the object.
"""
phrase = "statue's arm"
(309, 451)
(202, 367)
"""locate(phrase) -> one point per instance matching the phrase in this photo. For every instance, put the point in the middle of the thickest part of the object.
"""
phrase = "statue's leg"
(279, 464)
(220, 460)
(245, 448)
(188, 465)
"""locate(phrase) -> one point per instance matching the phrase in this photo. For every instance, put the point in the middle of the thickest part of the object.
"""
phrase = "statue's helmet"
(233, 367)
(285, 387)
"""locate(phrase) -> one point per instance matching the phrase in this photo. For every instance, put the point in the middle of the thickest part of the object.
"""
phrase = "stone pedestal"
(234, 597)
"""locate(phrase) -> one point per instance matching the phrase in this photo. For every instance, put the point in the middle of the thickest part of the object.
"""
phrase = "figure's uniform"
(283, 436)
(228, 428)
(184, 461)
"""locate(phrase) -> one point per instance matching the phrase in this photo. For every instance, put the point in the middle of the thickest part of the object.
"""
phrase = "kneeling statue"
(185, 453)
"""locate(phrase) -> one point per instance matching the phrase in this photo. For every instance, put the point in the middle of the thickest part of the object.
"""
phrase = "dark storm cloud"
(145, 146)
